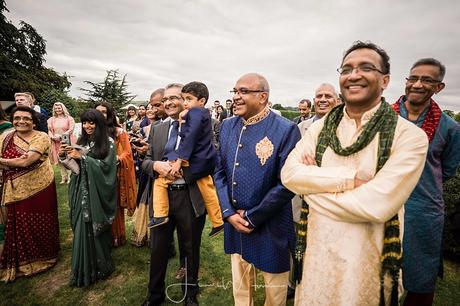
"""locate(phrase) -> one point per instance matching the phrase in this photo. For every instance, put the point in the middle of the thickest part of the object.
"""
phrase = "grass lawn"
(128, 285)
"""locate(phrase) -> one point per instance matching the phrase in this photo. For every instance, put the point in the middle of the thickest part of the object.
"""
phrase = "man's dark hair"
(100, 149)
(197, 89)
(432, 62)
(305, 101)
(112, 123)
(369, 45)
(28, 110)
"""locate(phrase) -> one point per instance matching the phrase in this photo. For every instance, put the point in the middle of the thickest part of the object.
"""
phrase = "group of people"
(341, 208)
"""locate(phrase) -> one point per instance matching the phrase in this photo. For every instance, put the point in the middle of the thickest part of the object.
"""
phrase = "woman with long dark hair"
(127, 192)
(92, 200)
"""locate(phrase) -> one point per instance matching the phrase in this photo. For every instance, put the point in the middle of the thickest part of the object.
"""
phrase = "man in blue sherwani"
(425, 212)
(259, 231)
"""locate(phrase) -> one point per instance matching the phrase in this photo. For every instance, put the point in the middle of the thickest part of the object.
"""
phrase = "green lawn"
(128, 285)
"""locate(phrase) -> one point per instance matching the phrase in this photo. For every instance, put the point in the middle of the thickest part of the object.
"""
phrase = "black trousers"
(189, 229)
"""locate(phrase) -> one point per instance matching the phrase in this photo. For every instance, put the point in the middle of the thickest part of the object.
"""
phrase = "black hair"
(100, 149)
(369, 45)
(432, 62)
(197, 89)
(28, 110)
(112, 123)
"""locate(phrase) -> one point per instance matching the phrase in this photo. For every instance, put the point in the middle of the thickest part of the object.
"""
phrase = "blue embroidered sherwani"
(424, 211)
(242, 182)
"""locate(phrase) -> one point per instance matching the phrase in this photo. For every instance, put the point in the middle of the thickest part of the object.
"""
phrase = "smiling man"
(424, 215)
(355, 168)
(325, 99)
(259, 232)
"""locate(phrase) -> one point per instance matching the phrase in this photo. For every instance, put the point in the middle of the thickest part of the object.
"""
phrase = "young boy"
(195, 152)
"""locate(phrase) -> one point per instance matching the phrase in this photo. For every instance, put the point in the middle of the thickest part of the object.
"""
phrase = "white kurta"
(346, 224)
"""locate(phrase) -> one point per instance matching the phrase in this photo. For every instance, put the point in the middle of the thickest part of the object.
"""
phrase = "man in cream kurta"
(348, 202)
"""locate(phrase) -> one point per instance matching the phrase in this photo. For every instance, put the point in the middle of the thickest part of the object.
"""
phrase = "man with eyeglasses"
(27, 99)
(355, 168)
(259, 231)
(186, 208)
(424, 214)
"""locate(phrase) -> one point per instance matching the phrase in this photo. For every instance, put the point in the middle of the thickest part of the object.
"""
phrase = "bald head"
(260, 80)
(325, 99)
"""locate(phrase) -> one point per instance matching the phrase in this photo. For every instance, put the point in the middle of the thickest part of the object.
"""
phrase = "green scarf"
(383, 122)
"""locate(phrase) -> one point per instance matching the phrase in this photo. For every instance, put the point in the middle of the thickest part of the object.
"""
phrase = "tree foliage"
(22, 55)
(113, 89)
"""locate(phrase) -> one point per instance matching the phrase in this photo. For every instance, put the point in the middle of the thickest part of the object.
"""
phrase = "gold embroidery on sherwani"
(264, 149)
(257, 118)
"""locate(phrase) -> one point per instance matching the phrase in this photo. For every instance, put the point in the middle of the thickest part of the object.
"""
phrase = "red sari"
(32, 228)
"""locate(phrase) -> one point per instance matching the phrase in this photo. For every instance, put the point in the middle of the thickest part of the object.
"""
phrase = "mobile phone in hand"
(65, 139)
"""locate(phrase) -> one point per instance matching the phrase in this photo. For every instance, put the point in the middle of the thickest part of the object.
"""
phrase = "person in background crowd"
(325, 99)
(26, 99)
(304, 109)
(38, 108)
(270, 105)
(59, 124)
(126, 177)
(186, 211)
(29, 192)
(5, 126)
(92, 200)
(214, 113)
(228, 105)
(356, 167)
(221, 113)
(425, 211)
(259, 232)
(131, 116)
(151, 118)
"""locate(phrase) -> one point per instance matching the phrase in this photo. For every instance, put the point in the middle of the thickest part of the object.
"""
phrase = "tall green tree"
(22, 55)
(113, 89)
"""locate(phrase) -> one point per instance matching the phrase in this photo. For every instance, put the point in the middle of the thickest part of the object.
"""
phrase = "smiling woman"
(32, 230)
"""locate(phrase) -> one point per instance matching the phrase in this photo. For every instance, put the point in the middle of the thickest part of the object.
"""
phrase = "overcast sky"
(296, 45)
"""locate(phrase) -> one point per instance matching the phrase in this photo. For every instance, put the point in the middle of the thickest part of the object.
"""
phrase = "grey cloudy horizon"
(296, 45)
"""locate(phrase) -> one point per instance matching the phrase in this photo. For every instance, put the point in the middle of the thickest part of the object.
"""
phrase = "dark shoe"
(191, 301)
(290, 294)
(180, 273)
(157, 222)
(216, 230)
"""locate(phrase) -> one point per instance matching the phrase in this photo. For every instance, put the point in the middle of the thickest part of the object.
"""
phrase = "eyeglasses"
(424, 80)
(366, 68)
(25, 119)
(244, 91)
(171, 98)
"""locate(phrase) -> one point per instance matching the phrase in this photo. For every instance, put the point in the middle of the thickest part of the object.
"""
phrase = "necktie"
(172, 141)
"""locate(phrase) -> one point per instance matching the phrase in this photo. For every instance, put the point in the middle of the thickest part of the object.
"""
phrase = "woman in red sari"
(29, 193)
(126, 175)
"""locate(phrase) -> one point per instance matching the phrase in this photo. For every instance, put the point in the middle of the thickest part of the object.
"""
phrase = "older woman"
(61, 123)
(29, 193)
(126, 175)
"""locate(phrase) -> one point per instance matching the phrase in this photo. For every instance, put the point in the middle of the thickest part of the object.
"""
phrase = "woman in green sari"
(92, 200)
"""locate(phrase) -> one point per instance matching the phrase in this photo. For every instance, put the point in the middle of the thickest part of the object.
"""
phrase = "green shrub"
(451, 227)
(289, 114)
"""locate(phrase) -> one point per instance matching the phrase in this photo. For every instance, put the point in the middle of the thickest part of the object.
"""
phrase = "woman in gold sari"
(29, 193)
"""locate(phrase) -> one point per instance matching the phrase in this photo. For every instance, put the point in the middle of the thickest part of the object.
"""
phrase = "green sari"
(92, 209)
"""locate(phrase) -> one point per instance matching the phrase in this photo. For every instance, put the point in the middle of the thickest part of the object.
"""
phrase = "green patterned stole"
(383, 122)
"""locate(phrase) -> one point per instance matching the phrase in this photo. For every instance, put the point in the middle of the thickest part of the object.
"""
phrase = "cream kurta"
(346, 224)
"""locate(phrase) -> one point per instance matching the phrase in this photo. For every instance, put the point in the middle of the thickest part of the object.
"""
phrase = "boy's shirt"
(195, 145)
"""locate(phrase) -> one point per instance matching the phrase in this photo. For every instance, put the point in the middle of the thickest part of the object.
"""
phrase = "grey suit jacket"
(158, 138)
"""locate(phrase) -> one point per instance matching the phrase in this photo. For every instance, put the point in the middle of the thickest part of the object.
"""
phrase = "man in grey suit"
(186, 208)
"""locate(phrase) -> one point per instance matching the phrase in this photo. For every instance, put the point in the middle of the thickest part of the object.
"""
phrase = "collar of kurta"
(257, 118)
